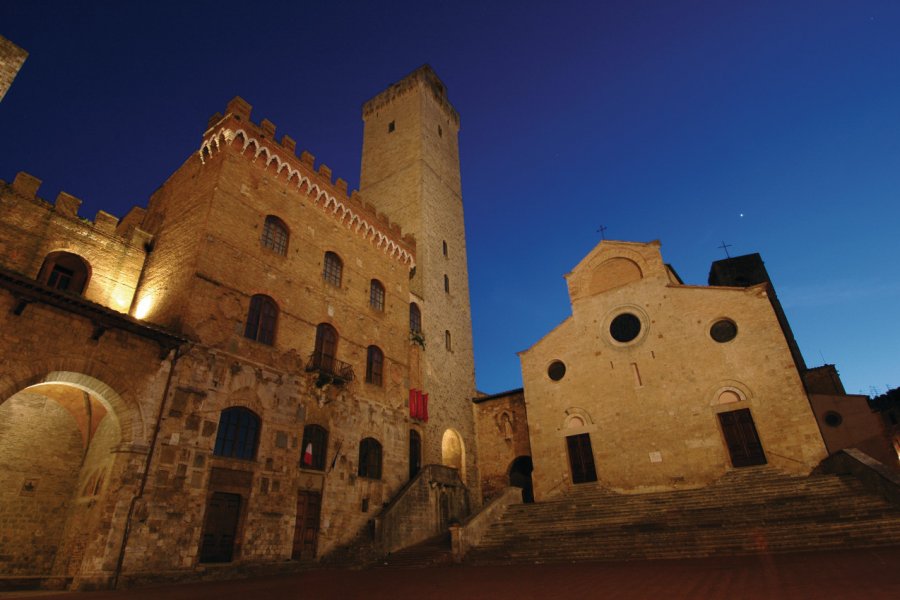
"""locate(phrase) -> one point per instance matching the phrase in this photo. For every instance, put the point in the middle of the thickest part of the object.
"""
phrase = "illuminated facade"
(246, 371)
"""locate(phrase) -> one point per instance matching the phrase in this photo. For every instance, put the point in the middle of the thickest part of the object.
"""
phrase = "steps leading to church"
(747, 511)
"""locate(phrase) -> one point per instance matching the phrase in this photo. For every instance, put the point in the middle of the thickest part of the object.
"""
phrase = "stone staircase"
(429, 553)
(748, 511)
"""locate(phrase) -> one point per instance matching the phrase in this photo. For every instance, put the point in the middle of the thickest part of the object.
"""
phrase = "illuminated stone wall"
(650, 405)
(11, 59)
(33, 228)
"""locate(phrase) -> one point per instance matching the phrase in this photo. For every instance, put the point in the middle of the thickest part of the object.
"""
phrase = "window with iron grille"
(376, 295)
(238, 433)
(374, 365)
(334, 268)
(369, 459)
(275, 235)
(261, 320)
(415, 318)
(314, 448)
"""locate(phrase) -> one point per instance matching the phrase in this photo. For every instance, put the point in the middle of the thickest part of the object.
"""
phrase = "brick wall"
(502, 426)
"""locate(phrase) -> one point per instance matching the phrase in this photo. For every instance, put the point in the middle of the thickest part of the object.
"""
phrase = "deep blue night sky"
(659, 120)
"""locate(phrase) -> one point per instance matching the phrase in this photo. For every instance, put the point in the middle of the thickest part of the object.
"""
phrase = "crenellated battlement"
(423, 76)
(25, 187)
(257, 143)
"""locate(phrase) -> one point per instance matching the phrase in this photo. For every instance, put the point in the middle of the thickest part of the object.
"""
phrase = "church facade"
(248, 370)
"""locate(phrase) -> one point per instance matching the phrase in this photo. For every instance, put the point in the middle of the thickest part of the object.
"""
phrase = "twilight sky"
(771, 125)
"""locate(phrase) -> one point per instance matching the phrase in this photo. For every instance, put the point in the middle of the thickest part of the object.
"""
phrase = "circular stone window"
(833, 419)
(723, 330)
(625, 327)
(556, 370)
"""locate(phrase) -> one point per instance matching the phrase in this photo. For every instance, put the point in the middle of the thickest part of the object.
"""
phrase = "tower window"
(376, 295)
(446, 284)
(447, 343)
(374, 365)
(440, 131)
(261, 320)
(275, 235)
(391, 127)
(445, 247)
(415, 318)
(334, 268)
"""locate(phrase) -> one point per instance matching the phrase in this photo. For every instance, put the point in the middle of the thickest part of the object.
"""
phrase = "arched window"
(238, 433)
(446, 284)
(326, 346)
(369, 459)
(415, 318)
(374, 365)
(314, 448)
(261, 320)
(65, 272)
(376, 295)
(275, 235)
(334, 268)
(447, 343)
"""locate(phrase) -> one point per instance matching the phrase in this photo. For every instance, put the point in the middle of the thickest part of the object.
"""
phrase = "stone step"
(741, 513)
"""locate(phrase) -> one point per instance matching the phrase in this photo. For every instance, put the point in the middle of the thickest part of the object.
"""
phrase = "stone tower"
(410, 170)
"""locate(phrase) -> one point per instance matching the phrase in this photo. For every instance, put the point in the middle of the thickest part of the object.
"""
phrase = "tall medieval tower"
(410, 170)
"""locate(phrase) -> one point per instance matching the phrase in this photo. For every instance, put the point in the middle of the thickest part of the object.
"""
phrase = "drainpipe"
(146, 474)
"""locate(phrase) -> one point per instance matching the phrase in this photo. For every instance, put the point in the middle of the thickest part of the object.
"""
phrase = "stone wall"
(11, 60)
(502, 427)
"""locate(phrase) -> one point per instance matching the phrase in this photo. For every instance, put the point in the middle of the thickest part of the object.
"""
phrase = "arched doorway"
(520, 476)
(453, 452)
(57, 460)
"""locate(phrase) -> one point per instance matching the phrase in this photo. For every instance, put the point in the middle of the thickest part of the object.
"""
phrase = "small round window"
(625, 327)
(833, 419)
(723, 331)
(556, 370)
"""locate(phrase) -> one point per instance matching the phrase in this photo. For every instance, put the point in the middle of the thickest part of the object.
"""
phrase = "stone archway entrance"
(453, 452)
(57, 462)
(520, 477)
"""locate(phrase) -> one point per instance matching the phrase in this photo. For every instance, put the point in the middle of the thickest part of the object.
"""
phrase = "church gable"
(612, 265)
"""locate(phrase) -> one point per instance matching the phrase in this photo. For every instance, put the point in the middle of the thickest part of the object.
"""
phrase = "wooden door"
(741, 438)
(306, 528)
(581, 458)
(222, 514)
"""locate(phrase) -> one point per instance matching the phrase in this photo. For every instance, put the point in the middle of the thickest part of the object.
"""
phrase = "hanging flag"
(307, 455)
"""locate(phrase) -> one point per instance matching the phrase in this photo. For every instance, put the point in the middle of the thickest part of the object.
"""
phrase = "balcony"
(330, 369)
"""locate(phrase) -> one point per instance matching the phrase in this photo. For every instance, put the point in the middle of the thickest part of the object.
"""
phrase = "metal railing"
(330, 369)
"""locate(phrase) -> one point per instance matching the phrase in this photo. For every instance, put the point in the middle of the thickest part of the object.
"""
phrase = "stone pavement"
(871, 574)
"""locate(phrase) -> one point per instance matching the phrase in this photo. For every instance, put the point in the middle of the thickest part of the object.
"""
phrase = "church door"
(306, 528)
(221, 526)
(581, 458)
(741, 438)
